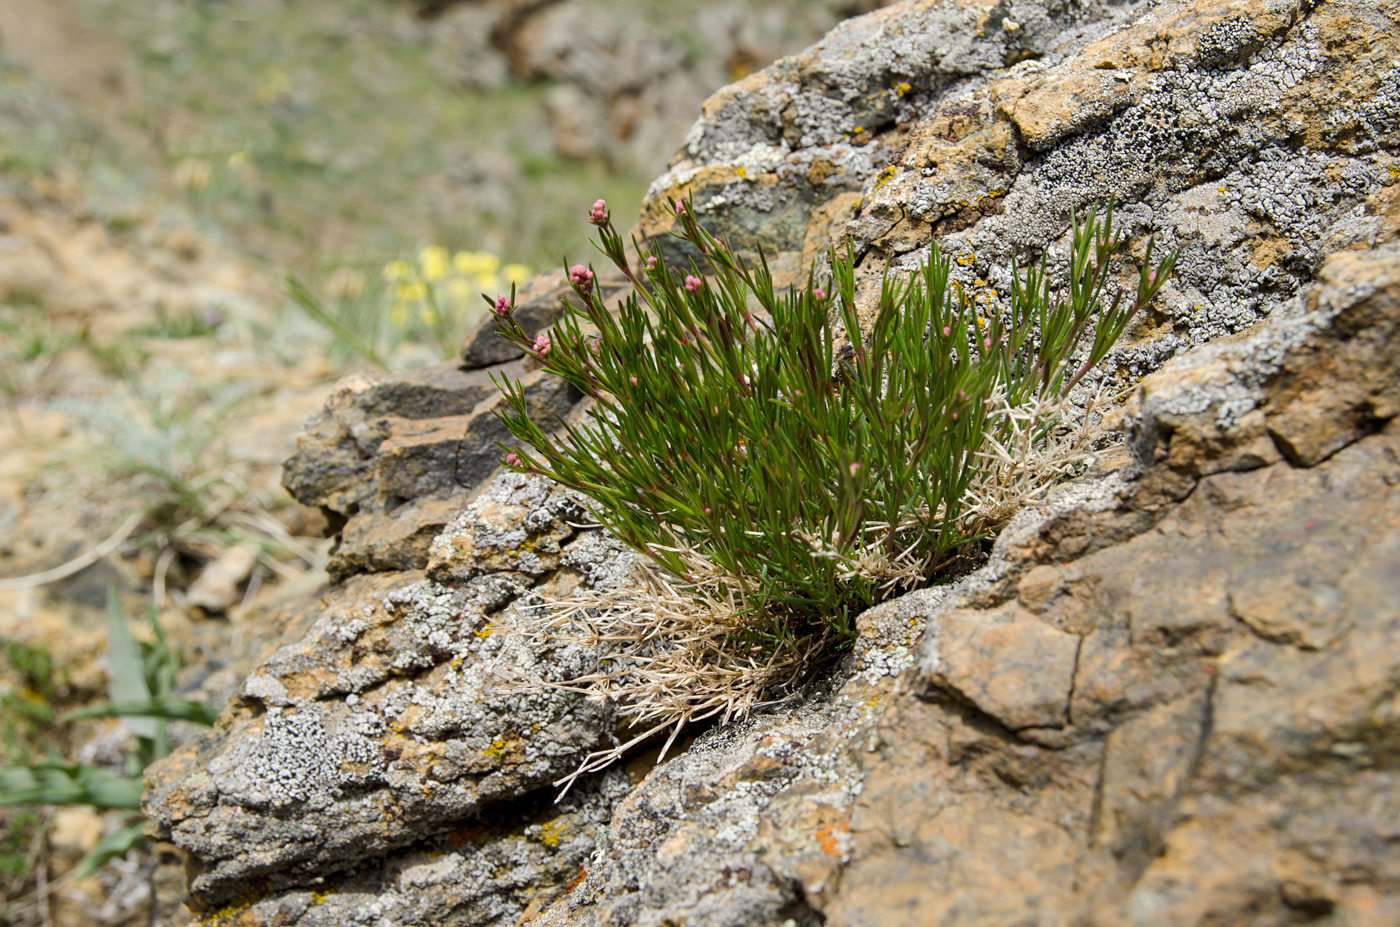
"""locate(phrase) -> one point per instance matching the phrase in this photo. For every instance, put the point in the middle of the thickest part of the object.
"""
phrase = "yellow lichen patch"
(550, 832)
(885, 176)
(497, 750)
(235, 912)
(903, 89)
(821, 170)
(742, 172)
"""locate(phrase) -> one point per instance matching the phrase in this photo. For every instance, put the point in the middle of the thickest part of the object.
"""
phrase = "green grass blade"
(62, 784)
(110, 847)
(303, 297)
(126, 670)
(168, 708)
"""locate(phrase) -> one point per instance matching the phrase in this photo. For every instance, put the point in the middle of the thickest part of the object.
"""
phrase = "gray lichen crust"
(388, 720)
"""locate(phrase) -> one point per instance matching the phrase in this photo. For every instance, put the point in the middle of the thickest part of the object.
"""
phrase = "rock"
(384, 723)
(335, 452)
(1010, 666)
(391, 458)
(215, 590)
(624, 80)
(983, 139)
(74, 830)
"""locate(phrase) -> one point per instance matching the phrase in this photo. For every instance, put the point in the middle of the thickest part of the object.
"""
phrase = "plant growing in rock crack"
(780, 482)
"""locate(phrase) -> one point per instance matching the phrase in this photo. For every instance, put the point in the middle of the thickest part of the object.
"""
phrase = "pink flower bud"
(633, 380)
(947, 330)
(855, 468)
(597, 346)
(708, 511)
(502, 306)
(541, 346)
(1152, 278)
(692, 282)
(818, 293)
(513, 461)
(598, 215)
(651, 261)
(581, 277)
(680, 207)
(986, 344)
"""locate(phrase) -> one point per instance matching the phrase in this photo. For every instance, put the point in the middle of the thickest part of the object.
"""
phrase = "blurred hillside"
(316, 133)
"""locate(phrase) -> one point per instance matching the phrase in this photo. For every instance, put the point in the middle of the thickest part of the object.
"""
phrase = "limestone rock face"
(1169, 696)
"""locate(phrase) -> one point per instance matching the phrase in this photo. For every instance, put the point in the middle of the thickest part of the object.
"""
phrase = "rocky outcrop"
(1169, 695)
(1168, 700)
(391, 458)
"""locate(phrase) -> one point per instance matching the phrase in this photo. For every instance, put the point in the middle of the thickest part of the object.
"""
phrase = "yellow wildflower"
(516, 273)
(433, 261)
(238, 159)
(475, 263)
(411, 292)
(428, 314)
(395, 271)
(276, 84)
(488, 283)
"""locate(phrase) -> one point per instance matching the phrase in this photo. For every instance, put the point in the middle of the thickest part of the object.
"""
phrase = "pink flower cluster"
(502, 306)
(598, 215)
(581, 277)
(692, 282)
(513, 460)
(680, 207)
(541, 346)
